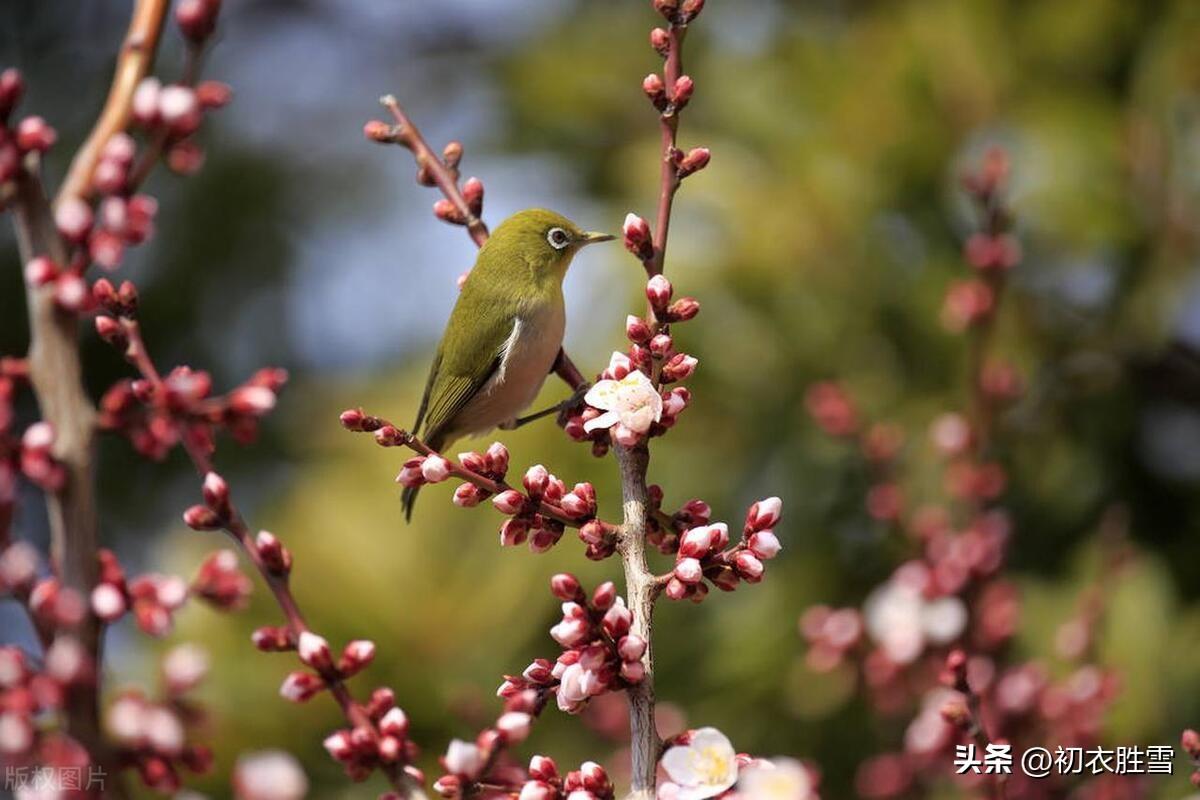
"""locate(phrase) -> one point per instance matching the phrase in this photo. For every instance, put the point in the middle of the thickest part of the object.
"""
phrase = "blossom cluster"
(702, 763)
(600, 654)
(704, 553)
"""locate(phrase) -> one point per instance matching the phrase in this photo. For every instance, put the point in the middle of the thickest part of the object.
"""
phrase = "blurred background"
(820, 241)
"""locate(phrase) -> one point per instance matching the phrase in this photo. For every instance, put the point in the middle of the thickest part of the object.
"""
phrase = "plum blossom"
(777, 779)
(269, 775)
(902, 620)
(704, 767)
(631, 403)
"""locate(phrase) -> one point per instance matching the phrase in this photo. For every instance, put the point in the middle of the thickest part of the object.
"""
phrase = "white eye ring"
(558, 238)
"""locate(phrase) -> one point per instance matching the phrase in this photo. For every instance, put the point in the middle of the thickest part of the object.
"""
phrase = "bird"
(504, 334)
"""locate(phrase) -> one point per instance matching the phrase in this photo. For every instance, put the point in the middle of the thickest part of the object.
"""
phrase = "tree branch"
(133, 64)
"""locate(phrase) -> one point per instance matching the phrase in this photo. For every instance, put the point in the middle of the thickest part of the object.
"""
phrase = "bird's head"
(545, 240)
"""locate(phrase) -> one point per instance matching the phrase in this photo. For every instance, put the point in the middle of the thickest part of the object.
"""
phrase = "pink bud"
(764, 514)
(435, 469)
(145, 101)
(514, 725)
(536, 480)
(300, 686)
(565, 586)
(537, 790)
(683, 309)
(748, 567)
(201, 518)
(684, 86)
(197, 19)
(356, 656)
(764, 544)
(338, 745)
(617, 621)
(213, 94)
(496, 458)
(543, 768)
(655, 90)
(631, 647)
(697, 542)
(472, 191)
(271, 639)
(179, 109)
(660, 40)
(446, 211)
(570, 632)
(33, 133)
(216, 493)
(696, 159)
(40, 271)
(513, 532)
(71, 292)
(604, 596)
(595, 779)
(12, 86)
(74, 219)
(636, 329)
(637, 237)
(314, 651)
(633, 671)
(658, 292)
(680, 367)
(252, 400)
(274, 555)
(661, 345)
(509, 502)
(108, 602)
(412, 474)
(467, 495)
(689, 571)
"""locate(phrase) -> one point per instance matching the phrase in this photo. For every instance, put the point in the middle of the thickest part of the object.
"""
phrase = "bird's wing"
(471, 352)
(433, 372)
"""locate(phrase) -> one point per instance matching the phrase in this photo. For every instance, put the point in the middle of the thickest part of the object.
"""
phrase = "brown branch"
(57, 379)
(641, 590)
(356, 716)
(445, 177)
(668, 127)
(133, 63)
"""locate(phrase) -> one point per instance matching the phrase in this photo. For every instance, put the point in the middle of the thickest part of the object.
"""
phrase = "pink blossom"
(631, 401)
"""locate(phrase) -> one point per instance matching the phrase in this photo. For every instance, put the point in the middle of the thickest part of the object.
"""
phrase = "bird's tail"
(409, 496)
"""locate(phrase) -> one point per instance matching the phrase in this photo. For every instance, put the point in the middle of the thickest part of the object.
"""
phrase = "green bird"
(504, 333)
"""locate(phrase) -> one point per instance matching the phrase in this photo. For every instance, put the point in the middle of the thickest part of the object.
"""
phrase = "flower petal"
(603, 395)
(605, 420)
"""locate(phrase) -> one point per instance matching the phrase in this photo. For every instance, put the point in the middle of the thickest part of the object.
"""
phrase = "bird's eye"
(558, 238)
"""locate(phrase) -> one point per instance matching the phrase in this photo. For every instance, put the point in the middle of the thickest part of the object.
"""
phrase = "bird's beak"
(591, 237)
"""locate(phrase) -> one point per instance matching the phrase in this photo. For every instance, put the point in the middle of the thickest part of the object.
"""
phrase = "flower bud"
(680, 367)
(435, 469)
(201, 518)
(543, 768)
(565, 586)
(12, 86)
(179, 110)
(631, 647)
(633, 671)
(300, 686)
(197, 19)
(697, 542)
(595, 779)
(684, 86)
(252, 400)
(604, 596)
(536, 479)
(314, 651)
(748, 567)
(467, 495)
(764, 544)
(34, 134)
(274, 555)
(472, 191)
(660, 40)
(216, 493)
(108, 603)
(637, 237)
(71, 293)
(696, 159)
(510, 502)
(689, 571)
(411, 474)
(667, 8)
(683, 309)
(658, 292)
(537, 790)
(394, 723)
(496, 459)
(514, 725)
(617, 621)
(271, 639)
(40, 270)
(690, 9)
(655, 90)
(356, 656)
(764, 514)
(73, 217)
(636, 329)
(446, 211)
(338, 745)
(513, 532)
(213, 94)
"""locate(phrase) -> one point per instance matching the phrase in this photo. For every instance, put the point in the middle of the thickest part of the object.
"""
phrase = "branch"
(456, 208)
(269, 558)
(133, 63)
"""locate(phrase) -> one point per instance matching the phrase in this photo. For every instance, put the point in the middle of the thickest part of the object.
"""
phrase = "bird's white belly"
(526, 361)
